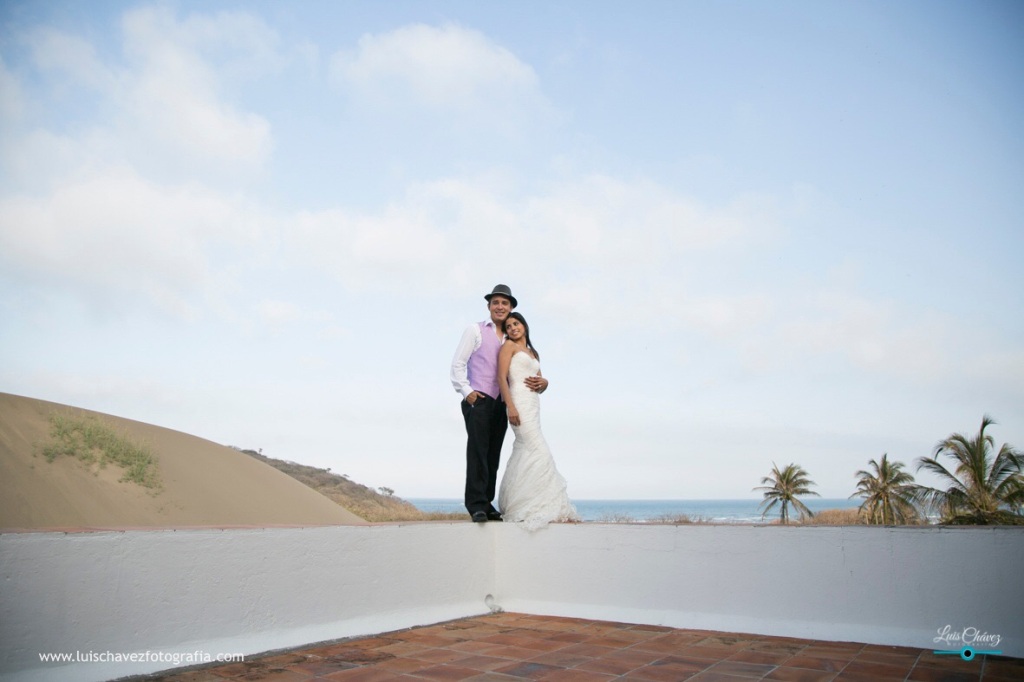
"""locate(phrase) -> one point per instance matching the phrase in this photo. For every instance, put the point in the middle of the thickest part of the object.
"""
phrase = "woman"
(532, 491)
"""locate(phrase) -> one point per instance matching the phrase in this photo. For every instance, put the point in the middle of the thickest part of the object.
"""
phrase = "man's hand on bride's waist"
(536, 383)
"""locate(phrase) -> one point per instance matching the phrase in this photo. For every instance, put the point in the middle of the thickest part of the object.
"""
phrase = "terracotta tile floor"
(510, 646)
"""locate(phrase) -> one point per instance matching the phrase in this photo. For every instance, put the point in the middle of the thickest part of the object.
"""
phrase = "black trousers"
(486, 423)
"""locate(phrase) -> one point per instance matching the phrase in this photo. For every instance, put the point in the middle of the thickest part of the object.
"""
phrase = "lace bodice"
(524, 365)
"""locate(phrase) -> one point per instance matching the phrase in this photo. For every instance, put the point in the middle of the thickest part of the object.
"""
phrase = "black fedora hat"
(502, 290)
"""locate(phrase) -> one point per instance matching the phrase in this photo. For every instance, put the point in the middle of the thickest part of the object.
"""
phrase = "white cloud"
(118, 233)
(370, 252)
(448, 67)
(274, 313)
(277, 314)
(450, 75)
(174, 93)
(41, 159)
(604, 219)
(63, 55)
(166, 103)
(12, 103)
(871, 335)
(597, 236)
(1003, 366)
(116, 195)
(242, 45)
(726, 317)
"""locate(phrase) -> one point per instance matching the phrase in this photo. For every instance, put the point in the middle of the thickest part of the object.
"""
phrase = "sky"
(742, 233)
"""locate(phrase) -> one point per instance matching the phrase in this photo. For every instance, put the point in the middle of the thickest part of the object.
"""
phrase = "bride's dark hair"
(522, 320)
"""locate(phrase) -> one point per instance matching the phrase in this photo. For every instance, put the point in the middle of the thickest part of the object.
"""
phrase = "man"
(474, 375)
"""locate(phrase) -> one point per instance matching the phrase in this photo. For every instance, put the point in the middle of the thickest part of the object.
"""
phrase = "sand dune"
(204, 484)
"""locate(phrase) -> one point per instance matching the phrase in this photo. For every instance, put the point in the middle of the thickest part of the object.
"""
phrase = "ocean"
(716, 511)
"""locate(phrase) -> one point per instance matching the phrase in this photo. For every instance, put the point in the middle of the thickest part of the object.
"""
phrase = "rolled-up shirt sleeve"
(469, 342)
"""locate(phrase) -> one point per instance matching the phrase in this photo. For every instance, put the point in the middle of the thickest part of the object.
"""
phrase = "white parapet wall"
(171, 596)
(174, 596)
(898, 586)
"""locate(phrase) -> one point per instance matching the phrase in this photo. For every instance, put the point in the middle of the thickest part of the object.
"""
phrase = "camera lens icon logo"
(968, 653)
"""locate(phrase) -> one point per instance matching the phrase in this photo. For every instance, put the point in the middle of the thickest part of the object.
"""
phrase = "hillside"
(182, 480)
(358, 498)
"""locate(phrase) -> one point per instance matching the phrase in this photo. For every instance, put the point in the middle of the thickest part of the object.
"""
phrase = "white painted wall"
(896, 586)
(227, 591)
(248, 591)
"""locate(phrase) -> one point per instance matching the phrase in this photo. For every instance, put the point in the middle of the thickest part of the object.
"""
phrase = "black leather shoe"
(479, 517)
(494, 516)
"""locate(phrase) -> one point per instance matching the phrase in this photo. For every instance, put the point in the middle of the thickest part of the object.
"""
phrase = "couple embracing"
(496, 370)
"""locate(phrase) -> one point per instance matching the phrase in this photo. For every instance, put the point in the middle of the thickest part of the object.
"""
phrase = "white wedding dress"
(532, 491)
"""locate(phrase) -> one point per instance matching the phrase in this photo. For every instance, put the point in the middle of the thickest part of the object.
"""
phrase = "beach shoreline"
(734, 511)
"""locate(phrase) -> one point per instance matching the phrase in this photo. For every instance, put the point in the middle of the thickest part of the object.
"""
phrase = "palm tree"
(888, 493)
(980, 489)
(783, 487)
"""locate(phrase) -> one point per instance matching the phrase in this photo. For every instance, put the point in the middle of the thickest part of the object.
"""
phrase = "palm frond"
(981, 488)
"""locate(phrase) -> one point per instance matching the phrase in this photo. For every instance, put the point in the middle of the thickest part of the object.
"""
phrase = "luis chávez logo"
(969, 640)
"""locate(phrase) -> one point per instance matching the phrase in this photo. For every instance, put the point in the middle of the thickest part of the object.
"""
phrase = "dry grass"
(852, 517)
(664, 519)
(836, 517)
(443, 516)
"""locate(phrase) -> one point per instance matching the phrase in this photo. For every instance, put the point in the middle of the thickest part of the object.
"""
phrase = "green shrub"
(95, 443)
